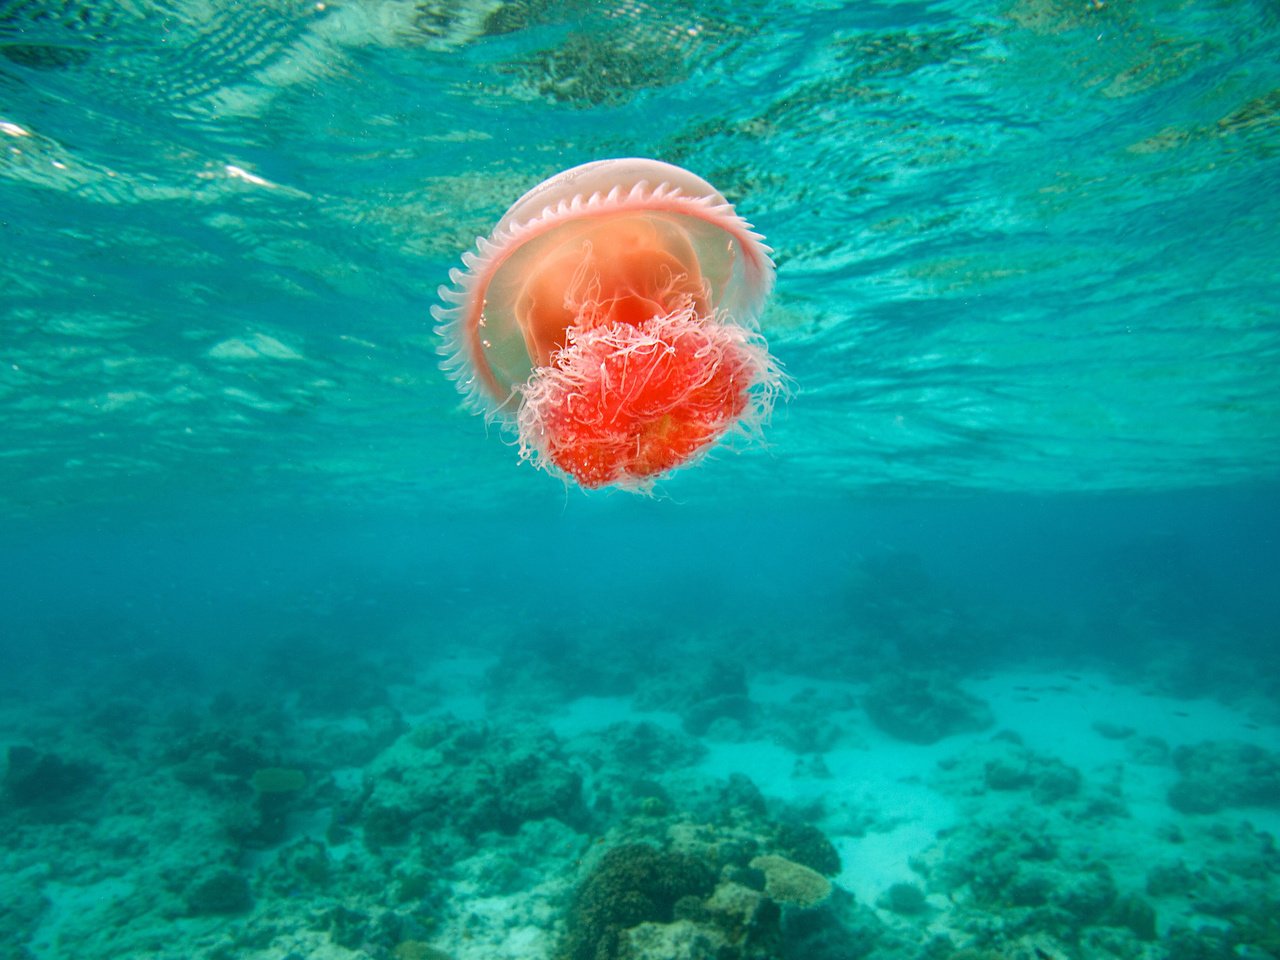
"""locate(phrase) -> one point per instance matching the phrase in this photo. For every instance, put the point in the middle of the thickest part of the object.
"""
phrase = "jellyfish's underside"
(624, 402)
(611, 336)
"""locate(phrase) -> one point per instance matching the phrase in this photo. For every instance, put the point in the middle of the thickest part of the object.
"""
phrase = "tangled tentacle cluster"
(621, 403)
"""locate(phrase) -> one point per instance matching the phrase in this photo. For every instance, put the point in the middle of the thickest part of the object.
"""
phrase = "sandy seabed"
(479, 806)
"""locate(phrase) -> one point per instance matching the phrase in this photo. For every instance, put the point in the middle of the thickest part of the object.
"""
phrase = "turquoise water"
(299, 659)
(1023, 247)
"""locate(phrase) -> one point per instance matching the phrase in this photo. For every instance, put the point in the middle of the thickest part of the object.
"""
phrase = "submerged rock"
(1136, 914)
(648, 748)
(903, 898)
(1224, 773)
(1086, 894)
(807, 845)
(220, 892)
(1171, 879)
(924, 708)
(699, 717)
(418, 950)
(45, 781)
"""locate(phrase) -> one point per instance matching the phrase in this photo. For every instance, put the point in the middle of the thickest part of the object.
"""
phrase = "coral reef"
(708, 893)
(790, 884)
(738, 816)
(805, 844)
(469, 777)
(631, 885)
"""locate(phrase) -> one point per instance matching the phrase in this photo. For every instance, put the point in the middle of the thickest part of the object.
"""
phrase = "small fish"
(1181, 713)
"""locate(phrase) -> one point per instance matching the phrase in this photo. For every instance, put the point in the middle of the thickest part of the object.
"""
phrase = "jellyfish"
(611, 319)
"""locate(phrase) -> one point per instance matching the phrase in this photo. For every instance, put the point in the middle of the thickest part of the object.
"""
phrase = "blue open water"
(1019, 515)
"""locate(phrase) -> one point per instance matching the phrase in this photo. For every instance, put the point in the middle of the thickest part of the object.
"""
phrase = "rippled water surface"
(1026, 246)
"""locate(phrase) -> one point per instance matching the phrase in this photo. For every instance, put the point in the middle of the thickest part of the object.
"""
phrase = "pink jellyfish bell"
(611, 315)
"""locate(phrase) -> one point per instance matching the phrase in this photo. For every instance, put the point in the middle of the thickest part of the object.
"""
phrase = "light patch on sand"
(880, 813)
(1054, 713)
(512, 927)
(767, 764)
(875, 862)
(453, 685)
